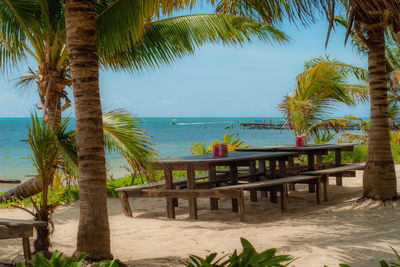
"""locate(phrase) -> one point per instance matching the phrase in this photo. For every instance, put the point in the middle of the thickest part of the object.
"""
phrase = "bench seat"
(336, 170)
(279, 185)
(10, 228)
(176, 182)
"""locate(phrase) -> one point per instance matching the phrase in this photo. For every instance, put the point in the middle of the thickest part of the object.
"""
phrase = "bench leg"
(325, 181)
(27, 249)
(318, 191)
(241, 206)
(170, 208)
(193, 208)
(284, 198)
(123, 196)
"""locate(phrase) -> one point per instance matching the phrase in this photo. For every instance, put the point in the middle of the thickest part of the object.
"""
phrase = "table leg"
(27, 249)
(291, 166)
(212, 176)
(234, 180)
(311, 167)
(338, 163)
(272, 173)
(261, 167)
(252, 171)
(262, 171)
(282, 168)
(191, 185)
(169, 185)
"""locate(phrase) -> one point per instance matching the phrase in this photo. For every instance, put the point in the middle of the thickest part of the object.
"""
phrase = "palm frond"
(167, 40)
(124, 134)
(347, 70)
(270, 11)
(120, 23)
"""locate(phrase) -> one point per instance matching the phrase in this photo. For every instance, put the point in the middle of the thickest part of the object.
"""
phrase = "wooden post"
(318, 194)
(212, 176)
(123, 196)
(191, 185)
(27, 249)
(291, 166)
(282, 168)
(169, 185)
(325, 181)
(311, 167)
(234, 180)
(283, 197)
(261, 167)
(252, 171)
(338, 163)
(272, 173)
(241, 206)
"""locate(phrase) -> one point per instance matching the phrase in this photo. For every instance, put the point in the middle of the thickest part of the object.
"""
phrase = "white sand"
(339, 231)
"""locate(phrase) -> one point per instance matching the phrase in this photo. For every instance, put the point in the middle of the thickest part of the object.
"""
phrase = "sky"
(217, 81)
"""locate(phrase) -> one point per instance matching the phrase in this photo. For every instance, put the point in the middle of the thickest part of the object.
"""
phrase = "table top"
(310, 147)
(233, 156)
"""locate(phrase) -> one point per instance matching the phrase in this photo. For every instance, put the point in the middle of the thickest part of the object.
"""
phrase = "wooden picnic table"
(313, 152)
(209, 163)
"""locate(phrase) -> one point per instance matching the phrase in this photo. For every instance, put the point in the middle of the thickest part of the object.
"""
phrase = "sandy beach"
(342, 230)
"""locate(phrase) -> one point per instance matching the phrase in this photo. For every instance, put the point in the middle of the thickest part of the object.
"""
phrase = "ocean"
(170, 140)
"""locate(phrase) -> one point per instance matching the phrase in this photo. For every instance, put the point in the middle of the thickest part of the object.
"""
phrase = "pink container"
(220, 150)
(301, 140)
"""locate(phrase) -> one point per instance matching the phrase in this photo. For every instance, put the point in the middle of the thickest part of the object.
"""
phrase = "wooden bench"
(342, 171)
(279, 185)
(10, 228)
(179, 183)
(176, 182)
(183, 193)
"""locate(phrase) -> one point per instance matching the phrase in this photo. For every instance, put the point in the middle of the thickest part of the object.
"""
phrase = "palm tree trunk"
(29, 188)
(379, 181)
(93, 230)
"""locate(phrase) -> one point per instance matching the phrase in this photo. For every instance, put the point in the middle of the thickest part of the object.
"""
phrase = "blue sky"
(217, 81)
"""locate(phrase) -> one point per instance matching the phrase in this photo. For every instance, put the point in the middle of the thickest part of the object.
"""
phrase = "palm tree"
(369, 20)
(93, 229)
(318, 87)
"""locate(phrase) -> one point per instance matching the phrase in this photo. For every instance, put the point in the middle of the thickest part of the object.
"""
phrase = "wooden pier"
(280, 125)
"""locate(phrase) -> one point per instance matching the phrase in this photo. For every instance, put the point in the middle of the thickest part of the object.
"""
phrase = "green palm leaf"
(167, 40)
(120, 23)
(124, 134)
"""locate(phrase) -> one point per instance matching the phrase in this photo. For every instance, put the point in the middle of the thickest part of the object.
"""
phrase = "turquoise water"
(170, 140)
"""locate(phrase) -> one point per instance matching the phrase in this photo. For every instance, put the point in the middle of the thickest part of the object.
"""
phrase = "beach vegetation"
(200, 148)
(319, 87)
(58, 260)
(248, 257)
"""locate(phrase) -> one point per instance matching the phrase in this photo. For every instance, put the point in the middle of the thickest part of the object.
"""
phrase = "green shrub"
(248, 257)
(57, 260)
